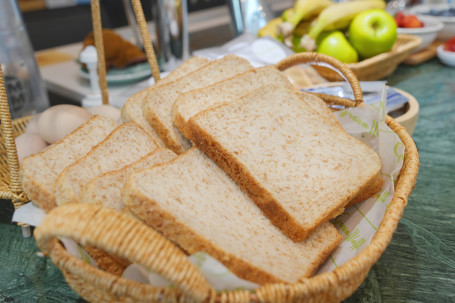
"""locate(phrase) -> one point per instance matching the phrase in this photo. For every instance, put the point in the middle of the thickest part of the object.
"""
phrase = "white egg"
(107, 111)
(60, 120)
(32, 124)
(28, 144)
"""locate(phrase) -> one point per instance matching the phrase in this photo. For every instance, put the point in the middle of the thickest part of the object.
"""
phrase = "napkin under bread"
(298, 169)
(132, 109)
(124, 145)
(158, 104)
(106, 188)
(192, 202)
(39, 172)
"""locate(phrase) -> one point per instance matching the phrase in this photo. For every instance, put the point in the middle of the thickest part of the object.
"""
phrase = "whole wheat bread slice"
(189, 104)
(321, 107)
(124, 145)
(299, 169)
(158, 104)
(195, 204)
(106, 188)
(132, 109)
(39, 171)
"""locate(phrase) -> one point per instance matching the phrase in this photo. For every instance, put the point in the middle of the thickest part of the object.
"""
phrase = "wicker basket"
(125, 238)
(380, 66)
(10, 186)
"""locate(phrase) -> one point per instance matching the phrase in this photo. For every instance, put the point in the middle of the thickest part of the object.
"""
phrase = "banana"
(302, 11)
(271, 29)
(305, 9)
(339, 15)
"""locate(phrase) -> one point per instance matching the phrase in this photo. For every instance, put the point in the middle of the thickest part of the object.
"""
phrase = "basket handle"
(99, 44)
(141, 22)
(324, 60)
(6, 124)
(124, 237)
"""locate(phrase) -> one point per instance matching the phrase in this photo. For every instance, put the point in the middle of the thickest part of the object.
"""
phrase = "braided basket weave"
(123, 237)
(126, 238)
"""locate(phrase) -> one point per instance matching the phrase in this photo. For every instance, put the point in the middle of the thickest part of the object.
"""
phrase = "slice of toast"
(106, 188)
(299, 169)
(194, 203)
(158, 105)
(124, 145)
(189, 104)
(321, 107)
(39, 171)
(132, 109)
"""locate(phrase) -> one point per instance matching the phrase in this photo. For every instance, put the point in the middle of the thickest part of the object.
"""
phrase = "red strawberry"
(399, 19)
(411, 21)
(450, 45)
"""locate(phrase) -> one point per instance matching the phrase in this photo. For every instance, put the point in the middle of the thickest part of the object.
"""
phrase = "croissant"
(118, 52)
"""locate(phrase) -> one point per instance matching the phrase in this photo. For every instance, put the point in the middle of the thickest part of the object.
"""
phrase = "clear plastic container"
(172, 38)
(24, 87)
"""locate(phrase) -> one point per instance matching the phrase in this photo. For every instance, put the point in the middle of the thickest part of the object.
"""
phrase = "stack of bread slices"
(218, 157)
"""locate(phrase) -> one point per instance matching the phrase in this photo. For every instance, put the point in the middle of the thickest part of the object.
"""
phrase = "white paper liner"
(357, 224)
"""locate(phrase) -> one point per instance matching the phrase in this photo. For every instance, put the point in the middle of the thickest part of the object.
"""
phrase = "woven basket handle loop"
(99, 44)
(125, 237)
(324, 60)
(10, 145)
(141, 22)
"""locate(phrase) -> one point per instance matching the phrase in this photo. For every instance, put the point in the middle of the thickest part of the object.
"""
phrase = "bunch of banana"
(294, 19)
(300, 26)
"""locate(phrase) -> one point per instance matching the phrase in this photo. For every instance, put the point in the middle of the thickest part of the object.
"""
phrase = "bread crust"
(132, 112)
(151, 212)
(241, 174)
(33, 185)
(94, 192)
(162, 131)
(166, 224)
(40, 195)
(372, 188)
(158, 105)
(63, 186)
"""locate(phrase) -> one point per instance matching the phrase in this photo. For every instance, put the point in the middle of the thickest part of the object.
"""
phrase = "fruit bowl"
(446, 57)
(379, 66)
(428, 33)
(444, 13)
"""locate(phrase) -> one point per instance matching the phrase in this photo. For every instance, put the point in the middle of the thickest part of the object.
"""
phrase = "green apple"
(336, 45)
(372, 32)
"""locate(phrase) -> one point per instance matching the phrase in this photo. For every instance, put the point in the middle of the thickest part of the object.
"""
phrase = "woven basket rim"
(320, 283)
(313, 285)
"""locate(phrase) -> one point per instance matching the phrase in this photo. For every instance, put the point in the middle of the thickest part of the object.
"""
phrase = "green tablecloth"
(418, 265)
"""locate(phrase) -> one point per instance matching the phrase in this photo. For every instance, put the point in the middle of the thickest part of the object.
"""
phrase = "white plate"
(127, 75)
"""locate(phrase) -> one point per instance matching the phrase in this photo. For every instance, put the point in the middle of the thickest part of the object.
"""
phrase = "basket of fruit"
(360, 34)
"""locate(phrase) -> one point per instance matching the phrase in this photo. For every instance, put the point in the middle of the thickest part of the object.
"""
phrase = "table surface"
(419, 263)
